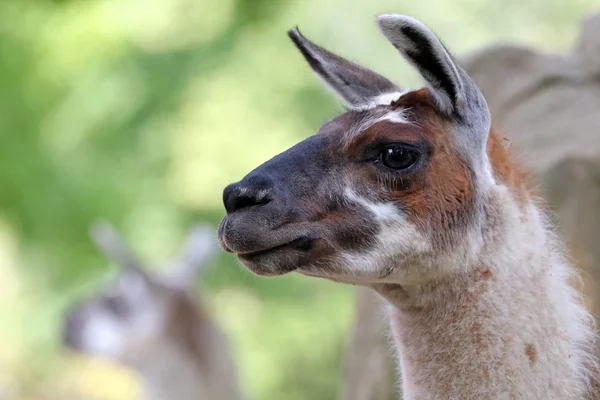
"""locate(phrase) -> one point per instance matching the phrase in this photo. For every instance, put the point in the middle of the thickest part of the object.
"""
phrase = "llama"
(414, 194)
(150, 323)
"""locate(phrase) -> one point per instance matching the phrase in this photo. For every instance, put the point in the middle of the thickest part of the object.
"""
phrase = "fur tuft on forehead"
(385, 99)
(362, 121)
(395, 103)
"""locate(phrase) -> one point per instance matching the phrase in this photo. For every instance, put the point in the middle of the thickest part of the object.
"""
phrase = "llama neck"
(172, 372)
(169, 373)
(509, 326)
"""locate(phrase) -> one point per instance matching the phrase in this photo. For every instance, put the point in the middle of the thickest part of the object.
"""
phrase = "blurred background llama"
(140, 112)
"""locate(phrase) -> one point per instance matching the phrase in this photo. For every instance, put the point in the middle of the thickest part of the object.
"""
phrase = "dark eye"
(116, 305)
(398, 156)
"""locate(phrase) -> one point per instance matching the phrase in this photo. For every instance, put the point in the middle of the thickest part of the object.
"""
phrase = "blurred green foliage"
(141, 111)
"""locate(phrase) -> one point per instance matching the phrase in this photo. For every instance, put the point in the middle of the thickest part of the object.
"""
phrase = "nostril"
(237, 198)
(248, 201)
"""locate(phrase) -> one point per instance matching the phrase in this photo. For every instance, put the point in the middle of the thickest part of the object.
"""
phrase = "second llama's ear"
(197, 253)
(109, 242)
(356, 85)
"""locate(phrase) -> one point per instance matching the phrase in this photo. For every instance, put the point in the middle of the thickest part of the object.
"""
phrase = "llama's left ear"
(107, 239)
(454, 92)
(355, 84)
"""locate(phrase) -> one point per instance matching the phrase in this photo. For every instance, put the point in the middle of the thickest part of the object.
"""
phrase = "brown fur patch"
(487, 274)
(441, 195)
(531, 353)
(507, 170)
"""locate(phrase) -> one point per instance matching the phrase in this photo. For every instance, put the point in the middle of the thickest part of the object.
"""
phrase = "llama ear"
(196, 254)
(109, 242)
(453, 91)
(356, 85)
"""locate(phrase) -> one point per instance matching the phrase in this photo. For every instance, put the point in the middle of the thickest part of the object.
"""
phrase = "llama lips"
(250, 233)
(279, 260)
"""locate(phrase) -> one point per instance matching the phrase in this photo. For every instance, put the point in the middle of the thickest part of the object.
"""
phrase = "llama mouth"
(245, 236)
(265, 251)
(278, 260)
(302, 243)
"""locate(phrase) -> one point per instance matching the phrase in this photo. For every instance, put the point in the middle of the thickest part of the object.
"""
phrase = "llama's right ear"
(356, 85)
(197, 253)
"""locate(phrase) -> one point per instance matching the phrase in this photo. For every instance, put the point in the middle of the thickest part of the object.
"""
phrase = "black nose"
(251, 191)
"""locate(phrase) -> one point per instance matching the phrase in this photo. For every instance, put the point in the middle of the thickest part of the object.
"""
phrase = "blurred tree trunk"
(548, 106)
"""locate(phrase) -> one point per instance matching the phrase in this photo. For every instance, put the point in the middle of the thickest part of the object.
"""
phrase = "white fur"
(102, 337)
(384, 99)
(396, 116)
(396, 236)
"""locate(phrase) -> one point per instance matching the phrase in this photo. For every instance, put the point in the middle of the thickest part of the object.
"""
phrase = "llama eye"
(398, 157)
(116, 305)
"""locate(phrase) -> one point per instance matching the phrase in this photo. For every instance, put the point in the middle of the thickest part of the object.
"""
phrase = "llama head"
(381, 192)
(133, 314)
